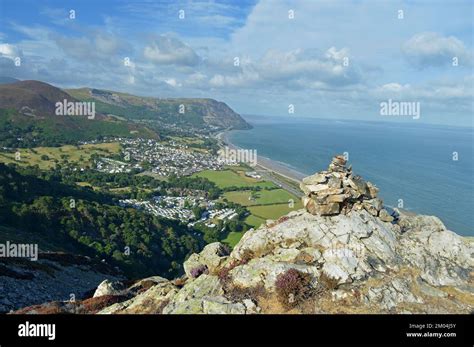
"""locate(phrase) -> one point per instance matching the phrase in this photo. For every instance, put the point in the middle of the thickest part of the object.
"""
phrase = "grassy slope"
(29, 157)
(263, 197)
(230, 178)
(70, 129)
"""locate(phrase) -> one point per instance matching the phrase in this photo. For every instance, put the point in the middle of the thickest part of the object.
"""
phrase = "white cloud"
(394, 87)
(432, 49)
(168, 50)
(9, 51)
(98, 46)
(173, 82)
(285, 70)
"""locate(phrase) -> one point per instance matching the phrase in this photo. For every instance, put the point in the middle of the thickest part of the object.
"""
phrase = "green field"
(233, 238)
(273, 211)
(232, 178)
(72, 154)
(263, 197)
(254, 221)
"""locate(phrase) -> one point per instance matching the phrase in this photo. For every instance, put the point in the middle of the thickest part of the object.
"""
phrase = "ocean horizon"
(423, 168)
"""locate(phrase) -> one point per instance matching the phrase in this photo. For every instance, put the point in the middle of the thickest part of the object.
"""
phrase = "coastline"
(266, 163)
(277, 172)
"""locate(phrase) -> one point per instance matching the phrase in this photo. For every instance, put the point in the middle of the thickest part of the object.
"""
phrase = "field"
(273, 211)
(233, 238)
(263, 197)
(254, 221)
(71, 154)
(233, 178)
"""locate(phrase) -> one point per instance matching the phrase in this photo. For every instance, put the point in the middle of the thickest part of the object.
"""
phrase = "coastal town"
(159, 158)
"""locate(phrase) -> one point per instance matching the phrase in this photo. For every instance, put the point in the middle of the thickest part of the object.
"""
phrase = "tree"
(198, 211)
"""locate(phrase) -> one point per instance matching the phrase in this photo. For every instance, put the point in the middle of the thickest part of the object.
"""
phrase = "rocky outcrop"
(210, 258)
(355, 260)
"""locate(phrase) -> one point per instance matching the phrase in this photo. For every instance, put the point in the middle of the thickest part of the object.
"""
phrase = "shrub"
(236, 293)
(293, 287)
(199, 270)
(328, 282)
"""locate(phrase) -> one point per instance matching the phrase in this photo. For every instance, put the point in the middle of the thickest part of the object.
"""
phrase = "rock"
(315, 179)
(385, 216)
(264, 271)
(189, 298)
(443, 257)
(373, 190)
(109, 288)
(251, 307)
(392, 294)
(329, 191)
(151, 301)
(373, 206)
(335, 182)
(428, 290)
(328, 209)
(337, 164)
(220, 305)
(339, 160)
(314, 189)
(336, 198)
(310, 205)
(212, 256)
(361, 185)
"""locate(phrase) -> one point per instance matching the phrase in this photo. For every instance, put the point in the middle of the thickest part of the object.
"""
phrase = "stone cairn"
(337, 191)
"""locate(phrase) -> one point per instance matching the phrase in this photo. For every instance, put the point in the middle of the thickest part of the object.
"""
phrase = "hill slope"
(180, 112)
(28, 118)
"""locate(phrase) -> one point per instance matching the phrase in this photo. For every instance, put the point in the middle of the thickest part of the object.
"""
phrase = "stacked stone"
(337, 191)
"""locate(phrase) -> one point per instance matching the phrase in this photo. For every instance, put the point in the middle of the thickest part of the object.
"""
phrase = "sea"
(423, 168)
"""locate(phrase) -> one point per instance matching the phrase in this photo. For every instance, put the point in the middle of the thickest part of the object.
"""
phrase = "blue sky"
(334, 59)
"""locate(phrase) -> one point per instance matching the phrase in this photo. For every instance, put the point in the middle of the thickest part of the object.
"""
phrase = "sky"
(328, 59)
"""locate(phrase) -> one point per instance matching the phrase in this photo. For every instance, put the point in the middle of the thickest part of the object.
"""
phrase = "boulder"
(373, 190)
(189, 299)
(373, 206)
(328, 209)
(108, 287)
(150, 301)
(211, 258)
(317, 178)
(385, 216)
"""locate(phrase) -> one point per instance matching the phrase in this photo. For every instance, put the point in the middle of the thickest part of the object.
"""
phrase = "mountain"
(194, 113)
(344, 253)
(28, 118)
(6, 79)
